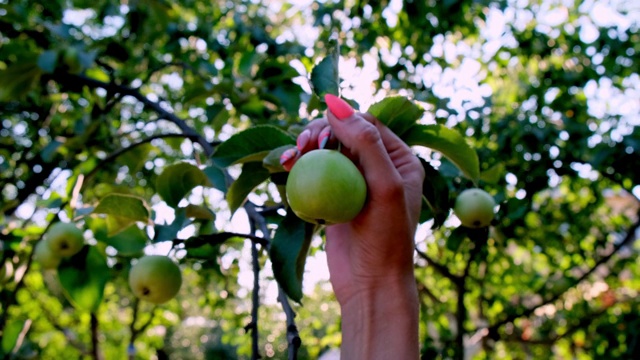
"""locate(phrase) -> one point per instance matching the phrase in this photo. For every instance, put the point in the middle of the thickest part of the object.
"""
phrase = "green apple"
(64, 239)
(45, 256)
(474, 208)
(155, 278)
(325, 187)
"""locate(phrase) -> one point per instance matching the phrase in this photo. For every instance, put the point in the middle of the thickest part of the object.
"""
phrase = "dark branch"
(135, 93)
(95, 345)
(293, 337)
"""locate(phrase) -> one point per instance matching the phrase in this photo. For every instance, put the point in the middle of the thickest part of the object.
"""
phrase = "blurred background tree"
(100, 97)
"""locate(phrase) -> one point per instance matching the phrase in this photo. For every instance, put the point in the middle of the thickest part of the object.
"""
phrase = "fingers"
(317, 135)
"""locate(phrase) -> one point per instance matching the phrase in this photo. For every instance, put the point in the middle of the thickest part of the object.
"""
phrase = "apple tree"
(144, 207)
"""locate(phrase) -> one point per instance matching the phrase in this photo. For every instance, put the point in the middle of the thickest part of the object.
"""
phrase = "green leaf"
(397, 112)
(456, 238)
(18, 79)
(83, 278)
(288, 254)
(448, 142)
(435, 192)
(252, 144)
(127, 206)
(493, 174)
(47, 61)
(10, 335)
(129, 242)
(217, 115)
(122, 210)
(253, 174)
(199, 212)
(178, 180)
(217, 177)
(325, 77)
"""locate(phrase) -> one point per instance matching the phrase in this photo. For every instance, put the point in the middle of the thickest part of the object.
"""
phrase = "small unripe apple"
(325, 187)
(474, 208)
(64, 239)
(45, 256)
(155, 278)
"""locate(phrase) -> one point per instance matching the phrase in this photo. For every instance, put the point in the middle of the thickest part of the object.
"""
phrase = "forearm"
(382, 323)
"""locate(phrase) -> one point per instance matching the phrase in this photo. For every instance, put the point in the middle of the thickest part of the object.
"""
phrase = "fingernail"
(303, 139)
(286, 158)
(323, 138)
(340, 108)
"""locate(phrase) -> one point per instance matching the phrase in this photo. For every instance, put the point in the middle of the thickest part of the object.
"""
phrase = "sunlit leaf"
(448, 142)
(325, 77)
(397, 112)
(252, 144)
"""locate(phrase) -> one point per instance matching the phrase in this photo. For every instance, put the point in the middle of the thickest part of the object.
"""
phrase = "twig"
(95, 351)
(293, 338)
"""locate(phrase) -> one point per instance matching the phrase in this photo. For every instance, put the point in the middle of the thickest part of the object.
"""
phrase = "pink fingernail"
(323, 138)
(340, 108)
(303, 139)
(287, 156)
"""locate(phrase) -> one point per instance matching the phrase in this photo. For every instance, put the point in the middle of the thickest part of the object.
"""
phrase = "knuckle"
(368, 134)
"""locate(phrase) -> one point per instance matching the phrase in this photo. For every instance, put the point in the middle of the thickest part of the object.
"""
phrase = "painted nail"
(303, 139)
(323, 138)
(287, 156)
(340, 108)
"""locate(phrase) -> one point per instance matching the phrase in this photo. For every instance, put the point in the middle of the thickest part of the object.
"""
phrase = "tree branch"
(135, 93)
(293, 337)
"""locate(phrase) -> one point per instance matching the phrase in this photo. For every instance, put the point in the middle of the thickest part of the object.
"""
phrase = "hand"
(371, 258)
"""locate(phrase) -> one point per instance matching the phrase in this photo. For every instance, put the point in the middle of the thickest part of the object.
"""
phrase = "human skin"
(370, 259)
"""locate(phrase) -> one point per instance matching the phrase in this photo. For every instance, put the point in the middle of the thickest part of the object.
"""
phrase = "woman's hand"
(371, 258)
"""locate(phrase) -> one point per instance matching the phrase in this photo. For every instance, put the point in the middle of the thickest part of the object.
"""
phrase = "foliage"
(156, 127)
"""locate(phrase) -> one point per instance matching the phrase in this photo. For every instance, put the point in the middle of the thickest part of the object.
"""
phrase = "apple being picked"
(155, 278)
(325, 187)
(64, 239)
(474, 208)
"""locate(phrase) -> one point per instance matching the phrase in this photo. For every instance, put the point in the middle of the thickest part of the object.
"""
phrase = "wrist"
(381, 321)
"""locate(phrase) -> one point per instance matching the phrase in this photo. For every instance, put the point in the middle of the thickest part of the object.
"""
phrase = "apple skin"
(155, 278)
(474, 208)
(64, 239)
(325, 187)
(43, 255)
